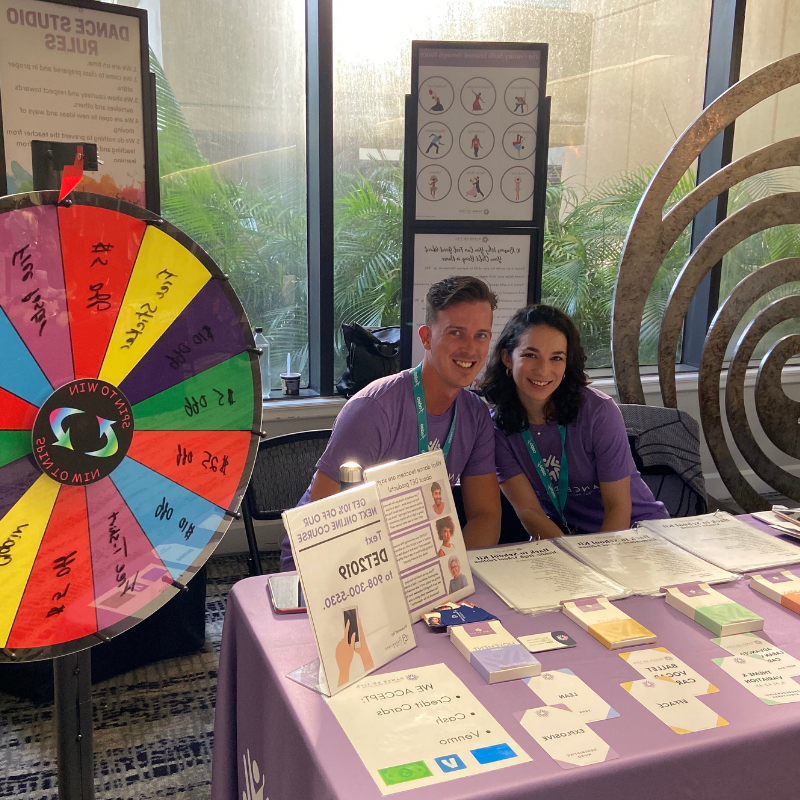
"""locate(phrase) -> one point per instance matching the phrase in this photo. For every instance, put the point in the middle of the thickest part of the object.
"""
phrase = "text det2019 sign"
(69, 74)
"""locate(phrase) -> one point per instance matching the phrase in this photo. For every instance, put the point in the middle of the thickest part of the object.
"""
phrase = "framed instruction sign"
(477, 124)
(78, 72)
(477, 130)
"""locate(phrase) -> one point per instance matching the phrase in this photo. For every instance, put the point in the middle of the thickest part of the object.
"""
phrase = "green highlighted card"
(405, 772)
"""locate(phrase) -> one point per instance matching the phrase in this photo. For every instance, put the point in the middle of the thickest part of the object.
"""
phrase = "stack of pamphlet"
(783, 587)
(712, 610)
(536, 576)
(606, 623)
(494, 653)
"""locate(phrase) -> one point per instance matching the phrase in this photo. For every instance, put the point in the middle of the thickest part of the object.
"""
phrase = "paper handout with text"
(424, 530)
(642, 560)
(350, 580)
(420, 727)
(537, 576)
(723, 540)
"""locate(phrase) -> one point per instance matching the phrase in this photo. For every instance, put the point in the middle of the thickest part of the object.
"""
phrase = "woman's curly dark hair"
(499, 387)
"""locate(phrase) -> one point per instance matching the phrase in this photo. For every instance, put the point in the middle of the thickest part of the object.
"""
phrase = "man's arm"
(520, 494)
(322, 486)
(481, 496)
(616, 504)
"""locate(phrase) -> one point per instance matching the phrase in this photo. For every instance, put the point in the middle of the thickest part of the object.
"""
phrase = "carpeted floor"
(153, 727)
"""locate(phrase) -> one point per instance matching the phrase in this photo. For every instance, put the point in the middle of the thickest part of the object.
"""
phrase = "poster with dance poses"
(477, 116)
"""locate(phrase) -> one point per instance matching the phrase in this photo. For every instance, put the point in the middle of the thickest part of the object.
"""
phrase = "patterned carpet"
(153, 727)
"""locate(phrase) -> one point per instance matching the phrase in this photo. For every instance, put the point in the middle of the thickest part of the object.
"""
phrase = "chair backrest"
(283, 470)
(665, 443)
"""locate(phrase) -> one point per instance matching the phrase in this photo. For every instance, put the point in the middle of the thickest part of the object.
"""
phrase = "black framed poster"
(78, 71)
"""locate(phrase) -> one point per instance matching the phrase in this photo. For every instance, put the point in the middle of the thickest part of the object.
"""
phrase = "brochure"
(674, 705)
(783, 587)
(723, 540)
(563, 686)
(606, 623)
(422, 726)
(424, 530)
(494, 653)
(350, 580)
(659, 664)
(641, 560)
(537, 576)
(565, 736)
(712, 610)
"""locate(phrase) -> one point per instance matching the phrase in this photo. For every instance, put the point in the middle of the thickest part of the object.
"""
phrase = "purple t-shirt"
(597, 450)
(379, 424)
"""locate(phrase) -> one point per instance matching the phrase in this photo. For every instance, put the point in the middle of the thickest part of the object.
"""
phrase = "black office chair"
(665, 444)
(283, 470)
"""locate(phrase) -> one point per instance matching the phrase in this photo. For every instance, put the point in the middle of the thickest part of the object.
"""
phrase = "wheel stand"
(73, 718)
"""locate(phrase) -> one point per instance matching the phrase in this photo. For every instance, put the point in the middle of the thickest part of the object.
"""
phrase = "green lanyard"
(560, 500)
(422, 415)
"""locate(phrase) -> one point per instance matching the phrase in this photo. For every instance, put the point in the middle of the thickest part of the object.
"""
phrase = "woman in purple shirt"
(561, 449)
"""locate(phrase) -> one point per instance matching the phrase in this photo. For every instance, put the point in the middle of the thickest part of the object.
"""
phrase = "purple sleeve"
(359, 434)
(481, 459)
(612, 453)
(506, 462)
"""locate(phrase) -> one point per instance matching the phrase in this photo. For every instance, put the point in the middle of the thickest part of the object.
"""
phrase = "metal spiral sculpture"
(649, 240)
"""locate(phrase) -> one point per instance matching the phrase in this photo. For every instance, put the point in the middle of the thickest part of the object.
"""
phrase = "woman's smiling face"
(538, 364)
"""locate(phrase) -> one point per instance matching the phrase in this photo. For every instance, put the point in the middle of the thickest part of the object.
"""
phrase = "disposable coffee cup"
(290, 383)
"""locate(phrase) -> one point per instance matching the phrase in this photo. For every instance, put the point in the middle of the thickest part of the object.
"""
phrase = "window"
(231, 119)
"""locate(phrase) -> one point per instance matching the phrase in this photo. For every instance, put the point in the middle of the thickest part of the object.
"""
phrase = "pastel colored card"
(611, 627)
(563, 686)
(712, 609)
(565, 736)
(782, 586)
(674, 705)
(762, 679)
(541, 642)
(658, 663)
(754, 646)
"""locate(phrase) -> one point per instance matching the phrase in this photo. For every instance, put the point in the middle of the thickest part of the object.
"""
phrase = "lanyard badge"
(559, 500)
(422, 415)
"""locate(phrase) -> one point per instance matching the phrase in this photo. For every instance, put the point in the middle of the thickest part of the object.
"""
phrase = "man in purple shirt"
(382, 423)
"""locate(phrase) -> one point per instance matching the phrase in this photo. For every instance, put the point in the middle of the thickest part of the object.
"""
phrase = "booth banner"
(477, 133)
(71, 74)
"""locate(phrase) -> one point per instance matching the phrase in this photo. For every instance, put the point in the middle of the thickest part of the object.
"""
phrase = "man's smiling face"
(457, 343)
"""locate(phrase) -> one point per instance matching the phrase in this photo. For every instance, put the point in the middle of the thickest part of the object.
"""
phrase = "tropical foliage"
(257, 234)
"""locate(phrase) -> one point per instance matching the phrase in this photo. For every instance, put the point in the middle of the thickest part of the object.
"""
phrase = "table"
(294, 749)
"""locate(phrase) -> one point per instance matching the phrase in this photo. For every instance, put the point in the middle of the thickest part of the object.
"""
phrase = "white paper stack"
(780, 518)
(642, 561)
(536, 576)
(723, 540)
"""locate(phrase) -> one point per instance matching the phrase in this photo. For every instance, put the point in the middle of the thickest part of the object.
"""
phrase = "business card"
(660, 663)
(565, 736)
(754, 646)
(540, 642)
(674, 705)
(563, 686)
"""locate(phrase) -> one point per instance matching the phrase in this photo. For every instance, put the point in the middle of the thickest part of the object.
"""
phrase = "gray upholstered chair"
(284, 468)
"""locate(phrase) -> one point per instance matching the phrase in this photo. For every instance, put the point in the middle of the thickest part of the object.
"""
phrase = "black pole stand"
(73, 709)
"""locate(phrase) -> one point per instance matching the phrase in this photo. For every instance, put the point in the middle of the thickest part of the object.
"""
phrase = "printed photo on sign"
(522, 97)
(434, 183)
(475, 184)
(478, 96)
(519, 141)
(476, 141)
(435, 140)
(436, 95)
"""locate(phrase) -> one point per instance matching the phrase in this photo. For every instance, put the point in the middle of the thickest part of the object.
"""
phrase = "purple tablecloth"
(294, 749)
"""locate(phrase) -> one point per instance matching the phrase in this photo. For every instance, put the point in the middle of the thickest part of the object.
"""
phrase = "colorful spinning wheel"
(130, 407)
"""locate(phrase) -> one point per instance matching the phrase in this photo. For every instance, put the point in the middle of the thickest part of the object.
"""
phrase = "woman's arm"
(520, 494)
(616, 504)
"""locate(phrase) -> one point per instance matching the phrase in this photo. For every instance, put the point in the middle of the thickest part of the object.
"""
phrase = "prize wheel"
(130, 411)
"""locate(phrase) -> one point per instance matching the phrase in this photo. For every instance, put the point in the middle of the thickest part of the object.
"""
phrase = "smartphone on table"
(286, 593)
